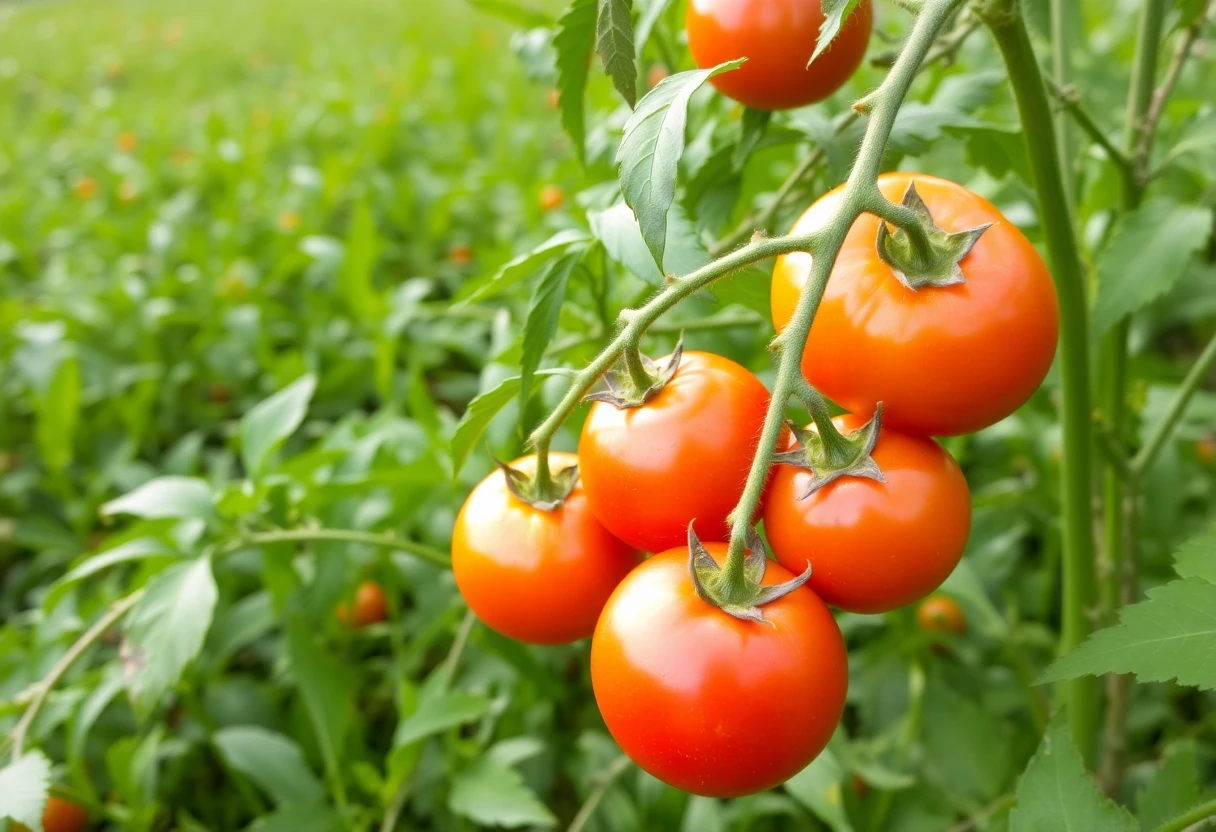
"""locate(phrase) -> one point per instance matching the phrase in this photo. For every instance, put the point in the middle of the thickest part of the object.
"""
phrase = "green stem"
(1189, 818)
(1055, 218)
(637, 373)
(1063, 21)
(388, 541)
(605, 780)
(1165, 428)
(860, 194)
(1070, 103)
(1140, 96)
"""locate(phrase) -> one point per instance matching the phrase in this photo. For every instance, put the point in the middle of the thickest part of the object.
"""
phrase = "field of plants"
(893, 506)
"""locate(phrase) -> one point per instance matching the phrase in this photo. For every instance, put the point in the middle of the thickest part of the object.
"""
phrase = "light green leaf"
(326, 687)
(166, 629)
(751, 288)
(617, 228)
(515, 13)
(650, 151)
(165, 497)
(299, 818)
(1197, 557)
(361, 251)
(522, 267)
(1057, 793)
(438, 713)
(614, 42)
(141, 548)
(24, 786)
(819, 787)
(58, 411)
(479, 413)
(492, 794)
(573, 41)
(1172, 635)
(270, 760)
(1173, 789)
(543, 314)
(1148, 253)
(834, 14)
(965, 748)
(652, 10)
(269, 423)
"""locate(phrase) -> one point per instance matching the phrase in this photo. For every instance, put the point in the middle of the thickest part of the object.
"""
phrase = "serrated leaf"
(545, 309)
(652, 10)
(272, 761)
(479, 413)
(1197, 557)
(165, 497)
(1148, 253)
(515, 13)
(819, 787)
(614, 42)
(650, 151)
(438, 713)
(834, 14)
(270, 422)
(1173, 789)
(24, 785)
(1172, 635)
(1055, 792)
(165, 630)
(573, 42)
(327, 688)
(492, 794)
(524, 266)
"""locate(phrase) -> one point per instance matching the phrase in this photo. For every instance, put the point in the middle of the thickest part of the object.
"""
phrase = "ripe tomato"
(941, 614)
(777, 37)
(371, 606)
(551, 197)
(682, 456)
(63, 816)
(873, 546)
(536, 576)
(708, 703)
(942, 361)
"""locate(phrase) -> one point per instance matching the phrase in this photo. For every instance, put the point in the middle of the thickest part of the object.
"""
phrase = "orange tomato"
(127, 141)
(873, 546)
(551, 197)
(370, 607)
(460, 255)
(63, 816)
(941, 614)
(777, 37)
(656, 74)
(1205, 449)
(942, 361)
(288, 221)
(85, 187)
(536, 576)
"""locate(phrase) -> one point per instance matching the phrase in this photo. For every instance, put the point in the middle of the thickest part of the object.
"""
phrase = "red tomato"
(63, 816)
(872, 546)
(371, 606)
(536, 576)
(777, 37)
(941, 614)
(708, 703)
(682, 456)
(942, 361)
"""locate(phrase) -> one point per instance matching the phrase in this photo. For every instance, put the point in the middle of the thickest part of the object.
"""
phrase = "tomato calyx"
(829, 454)
(638, 381)
(917, 267)
(544, 495)
(743, 598)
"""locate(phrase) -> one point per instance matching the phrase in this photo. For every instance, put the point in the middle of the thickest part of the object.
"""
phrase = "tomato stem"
(633, 363)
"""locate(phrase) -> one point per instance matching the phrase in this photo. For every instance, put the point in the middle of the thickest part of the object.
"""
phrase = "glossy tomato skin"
(943, 361)
(682, 456)
(370, 607)
(708, 703)
(536, 576)
(874, 547)
(941, 614)
(777, 37)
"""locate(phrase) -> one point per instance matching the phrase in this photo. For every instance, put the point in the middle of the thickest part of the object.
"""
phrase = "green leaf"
(326, 687)
(438, 713)
(1173, 789)
(650, 151)
(516, 13)
(166, 629)
(141, 548)
(1056, 792)
(165, 497)
(818, 787)
(24, 785)
(751, 288)
(483, 409)
(965, 748)
(524, 266)
(1148, 253)
(618, 230)
(300, 818)
(614, 42)
(685, 250)
(269, 423)
(1197, 557)
(573, 41)
(652, 10)
(753, 126)
(1172, 635)
(58, 411)
(492, 794)
(355, 279)
(834, 14)
(86, 717)
(543, 314)
(270, 760)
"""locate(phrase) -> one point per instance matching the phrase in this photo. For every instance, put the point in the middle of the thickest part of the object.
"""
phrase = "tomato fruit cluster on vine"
(698, 687)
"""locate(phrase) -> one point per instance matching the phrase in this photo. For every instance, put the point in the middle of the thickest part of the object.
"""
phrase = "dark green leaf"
(271, 761)
(270, 422)
(752, 127)
(23, 789)
(439, 712)
(1173, 789)
(326, 687)
(479, 413)
(834, 14)
(818, 787)
(492, 794)
(614, 42)
(541, 324)
(574, 40)
(965, 748)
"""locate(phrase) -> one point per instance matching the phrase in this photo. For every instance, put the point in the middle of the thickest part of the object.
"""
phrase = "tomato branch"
(1165, 428)
(1070, 102)
(1189, 818)
(604, 781)
(305, 535)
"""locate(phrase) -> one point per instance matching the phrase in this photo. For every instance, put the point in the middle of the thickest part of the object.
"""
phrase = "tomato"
(873, 546)
(942, 360)
(708, 703)
(1205, 450)
(63, 816)
(682, 456)
(551, 197)
(536, 576)
(371, 606)
(777, 37)
(85, 187)
(460, 255)
(941, 614)
(655, 75)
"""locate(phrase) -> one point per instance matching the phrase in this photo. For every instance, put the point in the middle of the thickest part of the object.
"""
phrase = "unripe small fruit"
(371, 606)
(656, 74)
(85, 187)
(551, 197)
(940, 614)
(127, 141)
(460, 255)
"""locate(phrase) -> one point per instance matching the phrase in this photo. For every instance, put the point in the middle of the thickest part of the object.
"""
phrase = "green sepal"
(742, 602)
(830, 455)
(526, 489)
(938, 267)
(623, 393)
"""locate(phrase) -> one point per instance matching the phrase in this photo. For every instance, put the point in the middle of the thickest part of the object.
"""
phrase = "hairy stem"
(1189, 818)
(1063, 250)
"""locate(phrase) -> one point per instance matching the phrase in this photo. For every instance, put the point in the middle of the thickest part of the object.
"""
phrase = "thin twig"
(983, 814)
(1109, 446)
(1070, 102)
(605, 780)
(1189, 818)
(305, 535)
(1177, 407)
